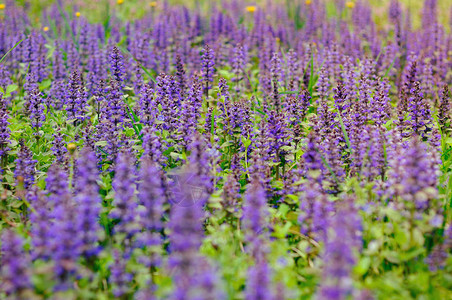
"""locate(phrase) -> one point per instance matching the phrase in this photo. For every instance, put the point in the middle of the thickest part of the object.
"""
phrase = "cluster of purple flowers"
(133, 148)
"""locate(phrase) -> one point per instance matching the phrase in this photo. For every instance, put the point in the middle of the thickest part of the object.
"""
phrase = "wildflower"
(254, 214)
(251, 8)
(46, 28)
(350, 4)
(14, 265)
(308, 2)
(444, 108)
(193, 275)
(119, 275)
(394, 11)
(153, 3)
(88, 202)
(71, 147)
(208, 63)
(151, 196)
(59, 148)
(117, 65)
(76, 98)
(41, 222)
(125, 201)
(344, 237)
(25, 166)
(77, 14)
(5, 132)
(258, 285)
(119, 2)
(2, 6)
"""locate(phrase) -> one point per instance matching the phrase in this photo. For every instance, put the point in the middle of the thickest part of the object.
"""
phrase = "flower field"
(225, 150)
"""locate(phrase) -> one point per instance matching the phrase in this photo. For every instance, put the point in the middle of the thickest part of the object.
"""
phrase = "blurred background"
(98, 10)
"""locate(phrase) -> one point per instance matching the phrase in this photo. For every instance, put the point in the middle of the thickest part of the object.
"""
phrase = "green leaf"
(226, 144)
(11, 88)
(284, 209)
(363, 266)
(45, 85)
(407, 256)
(391, 256)
(168, 151)
(246, 142)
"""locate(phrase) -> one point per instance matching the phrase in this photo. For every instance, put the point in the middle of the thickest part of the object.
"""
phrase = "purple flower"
(315, 209)
(444, 109)
(151, 195)
(185, 239)
(120, 277)
(193, 276)
(208, 63)
(88, 202)
(152, 145)
(5, 77)
(76, 97)
(276, 75)
(375, 162)
(292, 69)
(14, 265)
(238, 67)
(254, 213)
(258, 285)
(323, 84)
(395, 12)
(344, 237)
(419, 111)
(380, 107)
(57, 183)
(41, 225)
(25, 167)
(147, 105)
(277, 135)
(436, 260)
(412, 175)
(59, 148)
(66, 243)
(35, 108)
(115, 110)
(117, 66)
(180, 75)
(96, 65)
(312, 158)
(125, 203)
(5, 132)
(231, 193)
(65, 240)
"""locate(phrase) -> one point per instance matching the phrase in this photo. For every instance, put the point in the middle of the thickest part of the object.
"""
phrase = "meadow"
(195, 150)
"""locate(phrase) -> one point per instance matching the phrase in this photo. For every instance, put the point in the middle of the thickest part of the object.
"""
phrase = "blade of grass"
(344, 131)
(138, 63)
(17, 44)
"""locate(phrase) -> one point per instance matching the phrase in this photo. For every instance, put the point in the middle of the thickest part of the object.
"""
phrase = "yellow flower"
(308, 2)
(278, 40)
(251, 9)
(350, 4)
(120, 2)
(77, 14)
(46, 28)
(71, 147)
(2, 6)
(153, 3)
